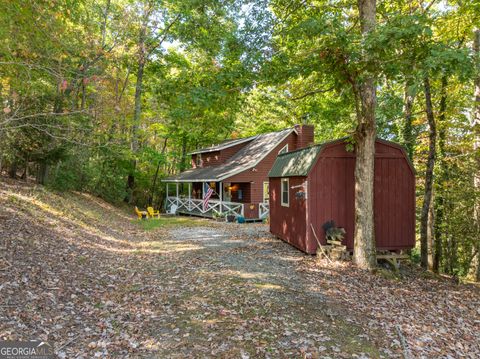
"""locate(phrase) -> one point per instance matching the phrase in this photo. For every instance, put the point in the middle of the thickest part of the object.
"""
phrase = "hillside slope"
(96, 282)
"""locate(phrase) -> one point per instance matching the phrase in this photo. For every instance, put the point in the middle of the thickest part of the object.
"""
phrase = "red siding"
(288, 223)
(256, 176)
(251, 210)
(216, 158)
(306, 135)
(331, 197)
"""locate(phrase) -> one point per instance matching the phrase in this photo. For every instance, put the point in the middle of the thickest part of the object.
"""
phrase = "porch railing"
(263, 210)
(195, 206)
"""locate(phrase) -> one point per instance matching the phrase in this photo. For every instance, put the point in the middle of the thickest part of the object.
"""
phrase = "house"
(237, 171)
(314, 185)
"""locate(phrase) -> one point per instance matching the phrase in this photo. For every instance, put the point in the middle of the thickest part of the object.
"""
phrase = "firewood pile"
(334, 249)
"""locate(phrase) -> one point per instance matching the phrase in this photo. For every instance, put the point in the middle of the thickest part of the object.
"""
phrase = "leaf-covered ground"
(97, 283)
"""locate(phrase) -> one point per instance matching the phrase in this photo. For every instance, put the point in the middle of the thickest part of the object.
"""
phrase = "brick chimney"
(305, 136)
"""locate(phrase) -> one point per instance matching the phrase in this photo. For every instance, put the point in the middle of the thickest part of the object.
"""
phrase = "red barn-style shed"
(316, 184)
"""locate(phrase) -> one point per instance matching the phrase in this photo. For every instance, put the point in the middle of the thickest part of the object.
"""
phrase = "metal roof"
(223, 145)
(247, 158)
(295, 163)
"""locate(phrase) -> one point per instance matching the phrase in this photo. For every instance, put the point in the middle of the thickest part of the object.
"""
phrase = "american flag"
(206, 198)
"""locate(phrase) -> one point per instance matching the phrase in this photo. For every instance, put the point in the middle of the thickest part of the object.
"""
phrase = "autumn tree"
(365, 133)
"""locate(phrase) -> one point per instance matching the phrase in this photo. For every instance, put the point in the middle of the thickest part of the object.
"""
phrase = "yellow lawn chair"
(141, 214)
(152, 213)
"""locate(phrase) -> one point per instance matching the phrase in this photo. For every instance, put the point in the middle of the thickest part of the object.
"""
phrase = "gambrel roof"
(295, 163)
(248, 157)
(301, 161)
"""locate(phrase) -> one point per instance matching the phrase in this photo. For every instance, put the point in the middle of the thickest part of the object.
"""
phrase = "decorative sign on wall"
(300, 195)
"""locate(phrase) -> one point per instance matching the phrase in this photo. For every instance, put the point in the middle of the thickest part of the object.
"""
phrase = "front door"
(227, 192)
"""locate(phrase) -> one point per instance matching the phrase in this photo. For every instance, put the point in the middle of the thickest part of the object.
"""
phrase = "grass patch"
(167, 222)
(389, 274)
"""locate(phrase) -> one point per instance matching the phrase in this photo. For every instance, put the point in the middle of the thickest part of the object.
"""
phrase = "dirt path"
(245, 298)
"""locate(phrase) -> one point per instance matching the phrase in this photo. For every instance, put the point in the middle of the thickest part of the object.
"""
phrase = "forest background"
(110, 96)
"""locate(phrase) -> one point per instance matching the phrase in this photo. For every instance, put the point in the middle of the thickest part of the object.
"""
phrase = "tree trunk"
(427, 198)
(42, 172)
(430, 236)
(407, 134)
(183, 160)
(12, 173)
(25, 170)
(364, 253)
(453, 243)
(154, 184)
(476, 148)
(84, 92)
(134, 143)
(442, 178)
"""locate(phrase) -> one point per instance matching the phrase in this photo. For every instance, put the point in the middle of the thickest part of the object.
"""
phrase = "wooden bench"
(393, 258)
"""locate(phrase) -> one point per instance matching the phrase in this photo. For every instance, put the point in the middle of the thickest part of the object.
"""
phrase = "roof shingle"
(248, 157)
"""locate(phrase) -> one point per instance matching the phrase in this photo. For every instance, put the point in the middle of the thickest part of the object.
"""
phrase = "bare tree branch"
(313, 92)
(44, 114)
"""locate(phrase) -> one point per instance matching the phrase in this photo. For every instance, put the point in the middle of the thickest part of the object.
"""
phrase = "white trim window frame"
(285, 191)
(283, 150)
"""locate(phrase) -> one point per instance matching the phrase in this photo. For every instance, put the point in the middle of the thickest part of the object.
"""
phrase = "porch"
(226, 199)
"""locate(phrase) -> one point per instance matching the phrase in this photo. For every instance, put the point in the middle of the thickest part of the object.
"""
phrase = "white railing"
(184, 204)
(263, 210)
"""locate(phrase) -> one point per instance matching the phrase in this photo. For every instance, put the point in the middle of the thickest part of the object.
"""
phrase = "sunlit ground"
(97, 281)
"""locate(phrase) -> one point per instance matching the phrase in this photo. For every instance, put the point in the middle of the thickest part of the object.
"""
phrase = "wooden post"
(177, 193)
(189, 196)
(220, 194)
(203, 194)
(166, 199)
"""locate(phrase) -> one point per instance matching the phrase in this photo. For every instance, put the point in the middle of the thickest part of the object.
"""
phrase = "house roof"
(223, 145)
(247, 158)
(295, 163)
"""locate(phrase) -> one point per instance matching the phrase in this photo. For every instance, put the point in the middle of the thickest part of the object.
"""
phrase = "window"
(284, 149)
(285, 192)
(266, 192)
(199, 160)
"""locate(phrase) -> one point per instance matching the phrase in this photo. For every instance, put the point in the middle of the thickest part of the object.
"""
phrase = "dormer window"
(284, 149)
(198, 161)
